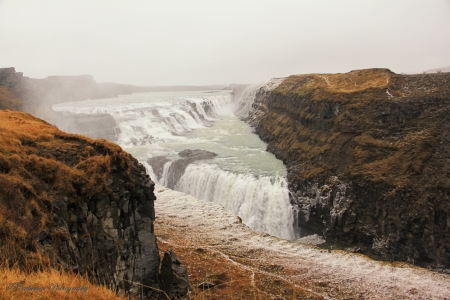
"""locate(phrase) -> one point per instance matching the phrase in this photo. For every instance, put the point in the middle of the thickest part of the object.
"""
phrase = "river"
(236, 172)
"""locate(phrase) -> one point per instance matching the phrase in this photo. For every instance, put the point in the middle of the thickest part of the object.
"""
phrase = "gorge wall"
(36, 96)
(83, 204)
(367, 154)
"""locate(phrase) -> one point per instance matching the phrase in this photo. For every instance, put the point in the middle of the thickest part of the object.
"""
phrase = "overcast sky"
(220, 42)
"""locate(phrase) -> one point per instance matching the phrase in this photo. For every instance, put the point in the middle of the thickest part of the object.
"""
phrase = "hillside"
(9, 101)
(73, 202)
(367, 158)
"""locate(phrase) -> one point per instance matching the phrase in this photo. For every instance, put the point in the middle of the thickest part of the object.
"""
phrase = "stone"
(100, 234)
(174, 276)
(206, 285)
(353, 249)
(43, 235)
(177, 167)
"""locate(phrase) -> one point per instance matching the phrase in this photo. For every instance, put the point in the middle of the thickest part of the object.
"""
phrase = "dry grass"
(367, 123)
(235, 274)
(49, 284)
(338, 85)
(230, 280)
(38, 165)
(8, 100)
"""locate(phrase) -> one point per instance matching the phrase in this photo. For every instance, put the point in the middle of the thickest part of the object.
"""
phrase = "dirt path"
(218, 248)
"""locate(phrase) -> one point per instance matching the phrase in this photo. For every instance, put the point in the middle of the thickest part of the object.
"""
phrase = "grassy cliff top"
(40, 164)
(373, 123)
(351, 82)
(364, 83)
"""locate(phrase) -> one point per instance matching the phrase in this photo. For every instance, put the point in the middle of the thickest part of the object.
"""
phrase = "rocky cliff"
(36, 96)
(367, 154)
(83, 204)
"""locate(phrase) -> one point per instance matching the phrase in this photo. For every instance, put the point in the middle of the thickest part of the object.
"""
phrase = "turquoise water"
(243, 177)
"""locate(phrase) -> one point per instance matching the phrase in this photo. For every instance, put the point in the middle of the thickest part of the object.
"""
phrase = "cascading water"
(226, 163)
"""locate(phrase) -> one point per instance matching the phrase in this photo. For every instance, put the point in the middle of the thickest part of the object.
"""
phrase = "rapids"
(243, 178)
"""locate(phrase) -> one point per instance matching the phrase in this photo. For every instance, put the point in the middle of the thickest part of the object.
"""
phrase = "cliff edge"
(84, 204)
(367, 154)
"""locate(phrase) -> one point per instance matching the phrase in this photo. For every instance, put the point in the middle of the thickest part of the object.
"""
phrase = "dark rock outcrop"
(89, 204)
(174, 277)
(367, 159)
(177, 167)
(110, 235)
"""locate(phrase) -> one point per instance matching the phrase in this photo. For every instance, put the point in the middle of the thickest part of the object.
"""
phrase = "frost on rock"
(330, 200)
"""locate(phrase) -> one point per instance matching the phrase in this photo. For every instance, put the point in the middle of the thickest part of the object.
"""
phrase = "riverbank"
(216, 247)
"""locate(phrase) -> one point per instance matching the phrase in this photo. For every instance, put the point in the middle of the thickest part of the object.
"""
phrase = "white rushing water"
(242, 177)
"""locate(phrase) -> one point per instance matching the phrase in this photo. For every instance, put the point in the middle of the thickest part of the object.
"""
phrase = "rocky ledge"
(367, 154)
(80, 204)
(177, 167)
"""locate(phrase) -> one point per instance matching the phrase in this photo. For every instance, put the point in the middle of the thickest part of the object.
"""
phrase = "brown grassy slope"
(39, 163)
(49, 285)
(386, 137)
(348, 123)
(9, 100)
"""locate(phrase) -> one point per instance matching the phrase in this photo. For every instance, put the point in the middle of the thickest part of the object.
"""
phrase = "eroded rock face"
(87, 204)
(367, 159)
(110, 236)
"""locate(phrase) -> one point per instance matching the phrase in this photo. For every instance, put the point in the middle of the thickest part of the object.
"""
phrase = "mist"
(211, 42)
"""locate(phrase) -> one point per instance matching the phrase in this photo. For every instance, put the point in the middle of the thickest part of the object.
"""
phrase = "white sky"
(220, 42)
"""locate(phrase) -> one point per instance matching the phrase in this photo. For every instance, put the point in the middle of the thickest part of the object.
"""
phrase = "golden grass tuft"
(49, 284)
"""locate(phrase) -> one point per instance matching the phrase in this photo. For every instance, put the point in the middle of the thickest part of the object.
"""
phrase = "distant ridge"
(439, 70)
(169, 88)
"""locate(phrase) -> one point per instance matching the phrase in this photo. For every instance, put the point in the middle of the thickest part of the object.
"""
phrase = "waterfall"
(235, 171)
(244, 96)
(262, 203)
(142, 122)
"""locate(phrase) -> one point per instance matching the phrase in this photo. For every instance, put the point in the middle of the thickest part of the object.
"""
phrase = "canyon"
(79, 204)
(367, 159)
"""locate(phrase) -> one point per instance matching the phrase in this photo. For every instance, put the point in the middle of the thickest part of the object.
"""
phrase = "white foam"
(262, 203)
(334, 275)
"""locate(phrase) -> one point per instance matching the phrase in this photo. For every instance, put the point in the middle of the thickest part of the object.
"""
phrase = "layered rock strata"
(367, 159)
